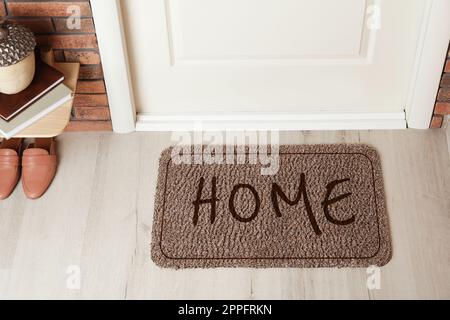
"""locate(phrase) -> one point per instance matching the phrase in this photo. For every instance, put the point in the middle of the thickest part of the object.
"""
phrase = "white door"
(280, 57)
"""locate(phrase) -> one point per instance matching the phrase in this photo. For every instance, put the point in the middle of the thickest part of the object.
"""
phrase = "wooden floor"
(98, 216)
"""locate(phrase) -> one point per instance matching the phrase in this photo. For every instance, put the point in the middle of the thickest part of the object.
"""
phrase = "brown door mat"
(324, 208)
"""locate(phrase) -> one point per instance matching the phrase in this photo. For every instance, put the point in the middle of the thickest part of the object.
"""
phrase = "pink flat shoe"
(39, 164)
(9, 166)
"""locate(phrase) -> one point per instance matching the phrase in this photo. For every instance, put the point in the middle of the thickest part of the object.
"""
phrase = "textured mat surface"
(324, 208)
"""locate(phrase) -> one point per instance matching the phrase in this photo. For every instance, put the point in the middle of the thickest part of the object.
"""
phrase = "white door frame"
(430, 56)
(113, 50)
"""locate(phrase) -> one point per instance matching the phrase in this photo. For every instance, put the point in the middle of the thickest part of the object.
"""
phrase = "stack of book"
(45, 94)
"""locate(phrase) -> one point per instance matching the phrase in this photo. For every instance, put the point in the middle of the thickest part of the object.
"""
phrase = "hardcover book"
(46, 78)
(36, 111)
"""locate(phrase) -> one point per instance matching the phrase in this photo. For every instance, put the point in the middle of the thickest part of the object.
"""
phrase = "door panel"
(256, 29)
(292, 56)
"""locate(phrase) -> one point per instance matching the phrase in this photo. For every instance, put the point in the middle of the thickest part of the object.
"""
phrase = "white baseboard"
(275, 121)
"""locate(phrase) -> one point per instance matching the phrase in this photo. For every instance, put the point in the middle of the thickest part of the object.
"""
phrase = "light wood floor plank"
(98, 216)
(447, 129)
(52, 229)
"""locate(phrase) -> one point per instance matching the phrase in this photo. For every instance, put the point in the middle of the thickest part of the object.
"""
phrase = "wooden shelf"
(55, 122)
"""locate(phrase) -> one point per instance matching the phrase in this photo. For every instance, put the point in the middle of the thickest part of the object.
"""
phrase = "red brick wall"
(442, 108)
(47, 19)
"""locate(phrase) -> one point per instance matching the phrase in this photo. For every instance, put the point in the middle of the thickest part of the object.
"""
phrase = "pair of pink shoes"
(36, 163)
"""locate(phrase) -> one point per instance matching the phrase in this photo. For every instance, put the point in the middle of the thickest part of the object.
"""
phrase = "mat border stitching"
(279, 258)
